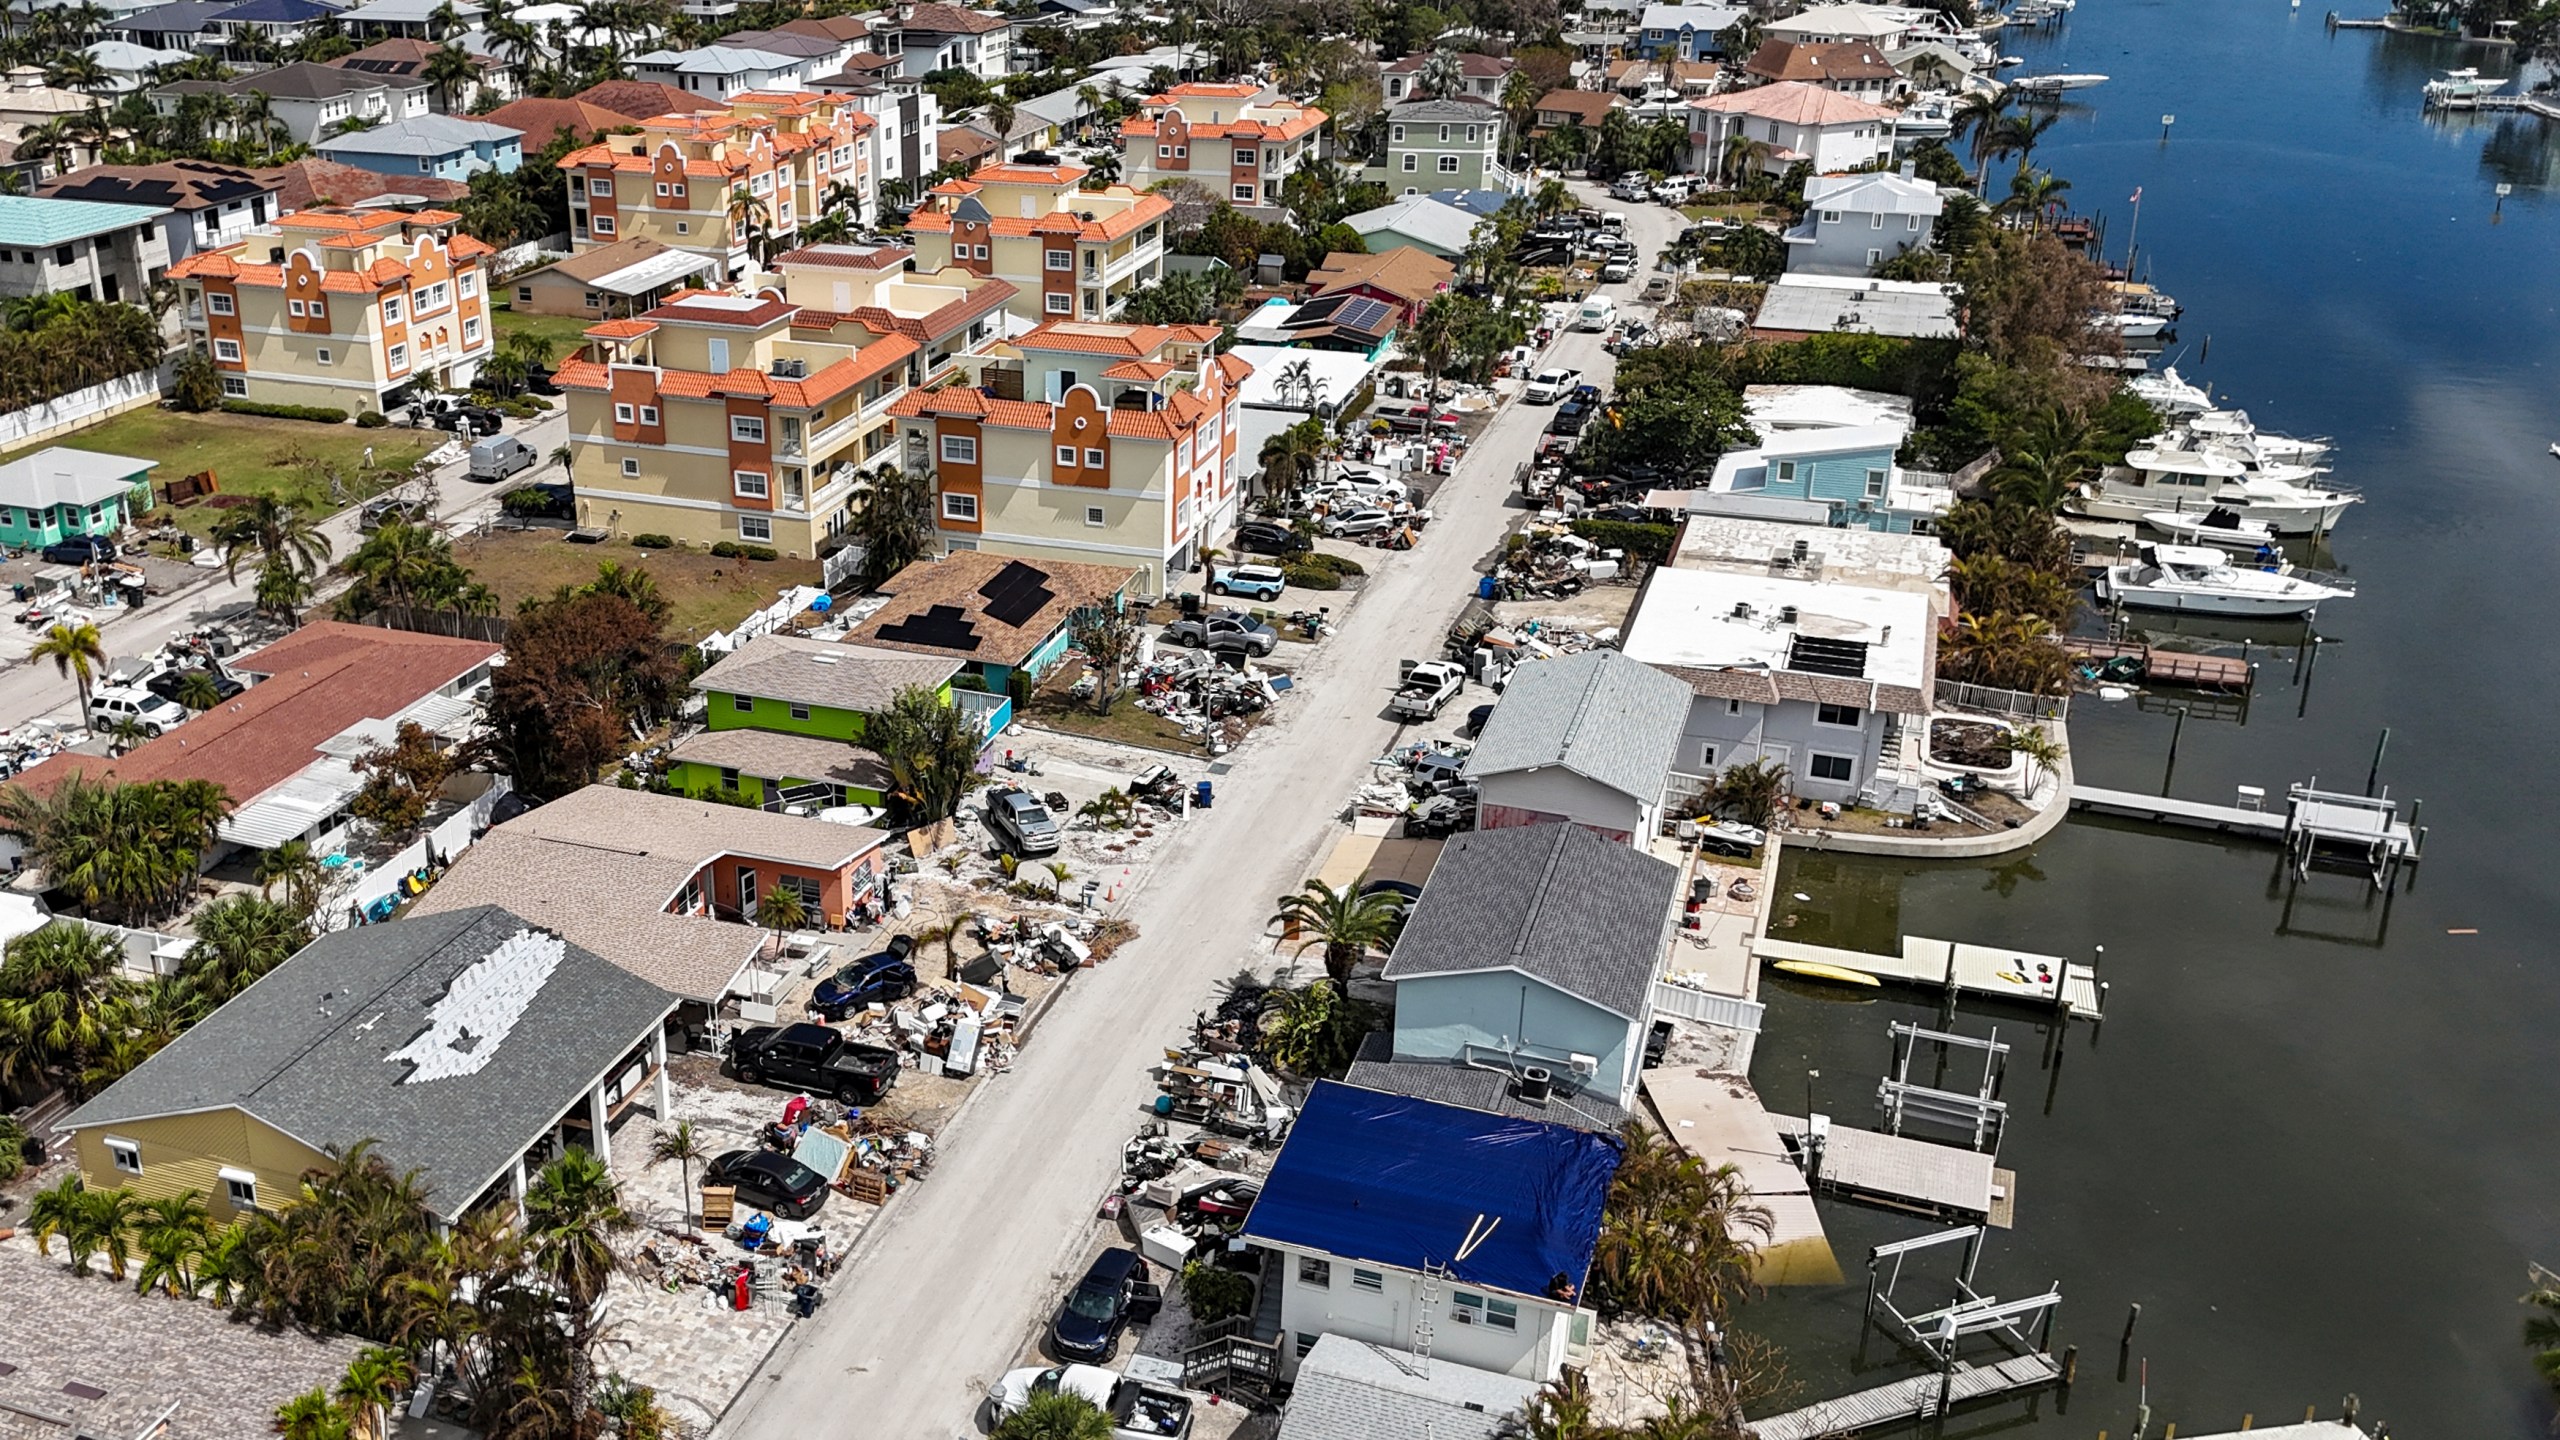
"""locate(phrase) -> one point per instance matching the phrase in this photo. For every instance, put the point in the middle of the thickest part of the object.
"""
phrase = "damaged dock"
(2045, 981)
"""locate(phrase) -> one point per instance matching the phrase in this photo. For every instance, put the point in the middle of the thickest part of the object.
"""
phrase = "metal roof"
(64, 475)
(347, 1041)
(1561, 904)
(35, 223)
(425, 135)
(1352, 1390)
(1609, 719)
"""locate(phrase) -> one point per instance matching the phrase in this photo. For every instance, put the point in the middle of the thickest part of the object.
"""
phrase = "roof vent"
(826, 659)
(1741, 609)
(1803, 548)
(1786, 614)
(1536, 1084)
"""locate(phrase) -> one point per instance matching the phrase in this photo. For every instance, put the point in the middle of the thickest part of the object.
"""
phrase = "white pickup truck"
(1138, 1410)
(1425, 688)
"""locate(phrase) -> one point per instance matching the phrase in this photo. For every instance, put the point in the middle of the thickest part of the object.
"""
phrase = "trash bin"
(1487, 587)
(1201, 794)
(1190, 602)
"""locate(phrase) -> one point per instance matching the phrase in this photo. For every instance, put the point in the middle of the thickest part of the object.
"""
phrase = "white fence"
(80, 407)
(148, 954)
(1993, 700)
(448, 839)
(1730, 1011)
(770, 618)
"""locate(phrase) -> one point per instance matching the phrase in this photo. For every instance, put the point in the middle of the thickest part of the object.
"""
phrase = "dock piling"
(2374, 773)
(2131, 1317)
(2070, 1364)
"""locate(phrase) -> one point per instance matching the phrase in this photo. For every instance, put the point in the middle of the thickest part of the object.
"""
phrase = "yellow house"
(1070, 253)
(1107, 444)
(469, 1046)
(714, 182)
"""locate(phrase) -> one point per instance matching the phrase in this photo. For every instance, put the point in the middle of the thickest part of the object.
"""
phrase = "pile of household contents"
(1551, 564)
(955, 1027)
(1425, 783)
(1225, 1094)
(25, 746)
(1209, 699)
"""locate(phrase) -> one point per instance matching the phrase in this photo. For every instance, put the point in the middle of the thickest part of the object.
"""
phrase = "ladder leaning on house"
(1423, 1310)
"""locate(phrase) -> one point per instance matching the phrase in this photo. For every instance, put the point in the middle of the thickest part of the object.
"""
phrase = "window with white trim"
(1876, 479)
(1061, 303)
(470, 283)
(745, 704)
(1448, 164)
(960, 450)
(648, 414)
(1471, 1309)
(219, 304)
(391, 311)
(753, 484)
(294, 306)
(1093, 516)
(600, 186)
(624, 415)
(1244, 193)
(1062, 259)
(956, 506)
(603, 224)
(748, 428)
(236, 385)
(662, 189)
(471, 331)
(1306, 1343)
(127, 1155)
(1411, 163)
(323, 354)
(1831, 767)
(1066, 456)
(630, 467)
(755, 527)
(226, 349)
(241, 1186)
(979, 252)
(1315, 1271)
(1095, 459)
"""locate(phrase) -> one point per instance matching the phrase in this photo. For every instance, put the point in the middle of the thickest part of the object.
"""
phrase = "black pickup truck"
(816, 1059)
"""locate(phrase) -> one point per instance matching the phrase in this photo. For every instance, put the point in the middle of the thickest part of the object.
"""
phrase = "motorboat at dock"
(2170, 394)
(2461, 89)
(2220, 526)
(2199, 580)
(2048, 87)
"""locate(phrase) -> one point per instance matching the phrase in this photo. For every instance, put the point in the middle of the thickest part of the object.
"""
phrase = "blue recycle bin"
(1202, 794)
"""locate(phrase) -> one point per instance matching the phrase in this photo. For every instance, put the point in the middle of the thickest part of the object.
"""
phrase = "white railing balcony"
(875, 408)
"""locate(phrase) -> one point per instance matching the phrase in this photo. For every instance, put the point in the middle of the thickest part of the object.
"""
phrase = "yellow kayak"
(1816, 970)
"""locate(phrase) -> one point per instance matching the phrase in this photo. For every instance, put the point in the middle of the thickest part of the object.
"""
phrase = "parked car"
(80, 550)
(1024, 824)
(1617, 272)
(1266, 537)
(1228, 632)
(1571, 416)
(115, 705)
(1257, 582)
(770, 1181)
(1365, 520)
(814, 1058)
(1548, 386)
(1425, 688)
(1094, 1313)
(500, 456)
(167, 684)
(876, 978)
(378, 513)
(1138, 1410)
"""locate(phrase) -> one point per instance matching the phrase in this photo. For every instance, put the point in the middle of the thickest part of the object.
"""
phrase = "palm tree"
(1744, 156)
(683, 1144)
(2035, 194)
(782, 910)
(2040, 748)
(401, 560)
(108, 1216)
(76, 650)
(312, 1415)
(276, 532)
(1347, 923)
(2009, 135)
(633, 583)
(1678, 1240)
(296, 868)
(239, 938)
(374, 1379)
(1056, 1415)
(1974, 117)
(750, 220)
(58, 988)
(572, 1212)
(54, 1213)
(447, 71)
(2045, 466)
(197, 690)
(173, 1230)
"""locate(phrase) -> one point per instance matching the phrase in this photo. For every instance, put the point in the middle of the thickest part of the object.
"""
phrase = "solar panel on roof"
(1361, 313)
(1815, 655)
(944, 627)
(1017, 593)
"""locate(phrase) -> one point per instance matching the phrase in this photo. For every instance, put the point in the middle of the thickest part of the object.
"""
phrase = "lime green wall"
(690, 778)
(776, 716)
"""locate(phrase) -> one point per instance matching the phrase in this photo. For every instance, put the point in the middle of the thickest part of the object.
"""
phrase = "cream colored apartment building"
(1101, 443)
(340, 308)
(1237, 141)
(715, 181)
(1070, 253)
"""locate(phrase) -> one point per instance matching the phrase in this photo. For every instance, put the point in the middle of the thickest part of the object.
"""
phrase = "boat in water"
(2182, 472)
(2220, 526)
(2131, 325)
(2235, 428)
(2198, 580)
(2461, 89)
(2170, 394)
(2046, 87)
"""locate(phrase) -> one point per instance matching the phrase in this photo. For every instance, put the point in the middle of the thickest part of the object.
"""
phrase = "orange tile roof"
(1304, 120)
(974, 405)
(578, 373)
(1113, 227)
(621, 329)
(1207, 90)
(1147, 370)
(863, 366)
(1003, 174)
(1095, 337)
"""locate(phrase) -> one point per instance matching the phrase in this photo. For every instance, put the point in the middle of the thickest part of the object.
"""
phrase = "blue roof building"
(444, 146)
(1382, 1209)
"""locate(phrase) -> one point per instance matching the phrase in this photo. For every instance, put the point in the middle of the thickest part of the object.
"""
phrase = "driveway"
(973, 1260)
(28, 692)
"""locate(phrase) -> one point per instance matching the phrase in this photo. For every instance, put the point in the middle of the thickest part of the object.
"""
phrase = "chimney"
(1910, 170)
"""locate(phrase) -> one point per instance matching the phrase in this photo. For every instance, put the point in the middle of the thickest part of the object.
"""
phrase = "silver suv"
(1024, 824)
(115, 705)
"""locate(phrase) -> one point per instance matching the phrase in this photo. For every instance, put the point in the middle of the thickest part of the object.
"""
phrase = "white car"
(1617, 272)
(1548, 386)
(1367, 520)
(151, 715)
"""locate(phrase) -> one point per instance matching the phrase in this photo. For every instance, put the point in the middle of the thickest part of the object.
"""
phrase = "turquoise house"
(1847, 468)
(59, 492)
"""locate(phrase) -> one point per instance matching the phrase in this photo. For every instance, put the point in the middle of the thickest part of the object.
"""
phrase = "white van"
(1597, 313)
(1613, 222)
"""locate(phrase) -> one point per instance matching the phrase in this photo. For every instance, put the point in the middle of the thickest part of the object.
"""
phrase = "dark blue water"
(2316, 1138)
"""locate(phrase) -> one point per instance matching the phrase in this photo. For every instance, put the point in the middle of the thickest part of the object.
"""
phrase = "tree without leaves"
(1108, 636)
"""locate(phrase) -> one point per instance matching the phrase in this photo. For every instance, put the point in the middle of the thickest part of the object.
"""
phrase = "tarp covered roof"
(1505, 1204)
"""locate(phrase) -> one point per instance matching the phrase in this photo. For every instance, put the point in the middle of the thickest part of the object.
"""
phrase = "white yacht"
(2220, 526)
(2234, 426)
(2197, 580)
(2048, 86)
(2170, 394)
(2462, 88)
(2130, 325)
(2180, 472)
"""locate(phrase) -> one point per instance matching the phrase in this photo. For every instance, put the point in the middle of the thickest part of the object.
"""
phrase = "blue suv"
(875, 979)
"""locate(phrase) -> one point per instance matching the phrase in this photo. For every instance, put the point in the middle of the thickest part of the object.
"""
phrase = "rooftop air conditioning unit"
(791, 369)
(1741, 609)
(1585, 1064)
(1537, 1082)
(1786, 614)
(1803, 549)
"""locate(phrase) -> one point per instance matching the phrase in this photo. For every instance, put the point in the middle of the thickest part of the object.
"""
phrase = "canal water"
(2318, 1137)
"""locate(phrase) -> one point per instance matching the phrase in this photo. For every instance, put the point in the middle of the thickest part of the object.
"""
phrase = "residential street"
(29, 692)
(973, 1260)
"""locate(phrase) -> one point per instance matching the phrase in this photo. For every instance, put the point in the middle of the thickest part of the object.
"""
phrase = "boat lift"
(2356, 832)
(1939, 1333)
(1983, 1114)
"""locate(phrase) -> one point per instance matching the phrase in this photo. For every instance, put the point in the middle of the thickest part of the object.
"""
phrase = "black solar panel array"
(1814, 655)
(945, 627)
(1017, 593)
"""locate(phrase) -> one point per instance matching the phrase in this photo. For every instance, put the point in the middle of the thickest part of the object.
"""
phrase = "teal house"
(788, 717)
(1848, 470)
(59, 492)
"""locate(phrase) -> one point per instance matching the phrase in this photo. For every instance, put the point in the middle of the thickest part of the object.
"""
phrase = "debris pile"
(1553, 564)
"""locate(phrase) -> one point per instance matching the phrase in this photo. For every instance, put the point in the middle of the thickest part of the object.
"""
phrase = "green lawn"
(1744, 211)
(708, 593)
(565, 332)
(253, 455)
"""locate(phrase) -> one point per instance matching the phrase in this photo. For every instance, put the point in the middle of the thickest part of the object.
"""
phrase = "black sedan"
(1262, 537)
(171, 685)
(770, 1181)
(1088, 1326)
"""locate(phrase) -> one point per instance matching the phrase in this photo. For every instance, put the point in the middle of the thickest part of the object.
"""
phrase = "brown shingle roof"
(822, 672)
(644, 99)
(952, 20)
(1405, 272)
(1588, 107)
(605, 259)
(954, 582)
(771, 755)
(304, 184)
(830, 27)
(1816, 62)
(542, 120)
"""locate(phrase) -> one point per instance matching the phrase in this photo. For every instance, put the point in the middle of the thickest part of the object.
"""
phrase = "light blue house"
(1683, 32)
(444, 146)
(1848, 469)
(1535, 948)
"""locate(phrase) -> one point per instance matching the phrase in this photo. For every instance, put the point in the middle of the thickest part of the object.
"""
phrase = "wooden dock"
(2167, 810)
(2044, 981)
(1902, 1172)
(2227, 673)
(2531, 104)
(1912, 1399)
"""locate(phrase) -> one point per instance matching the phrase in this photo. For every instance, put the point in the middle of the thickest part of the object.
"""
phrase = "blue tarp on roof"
(1506, 1204)
(276, 12)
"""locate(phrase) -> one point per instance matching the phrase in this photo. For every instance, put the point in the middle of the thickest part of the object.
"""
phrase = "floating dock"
(2227, 673)
(2046, 981)
(2167, 810)
(1912, 1399)
(1907, 1174)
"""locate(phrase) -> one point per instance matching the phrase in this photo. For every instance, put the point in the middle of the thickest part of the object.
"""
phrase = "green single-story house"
(59, 492)
(787, 713)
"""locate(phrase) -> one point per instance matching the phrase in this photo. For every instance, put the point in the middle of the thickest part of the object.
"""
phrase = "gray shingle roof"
(1602, 716)
(819, 672)
(1556, 902)
(1352, 1390)
(1450, 1083)
(316, 1049)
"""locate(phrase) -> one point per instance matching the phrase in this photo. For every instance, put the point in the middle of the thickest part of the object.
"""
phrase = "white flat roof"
(1697, 618)
(1334, 374)
(642, 276)
(1815, 407)
(1725, 540)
